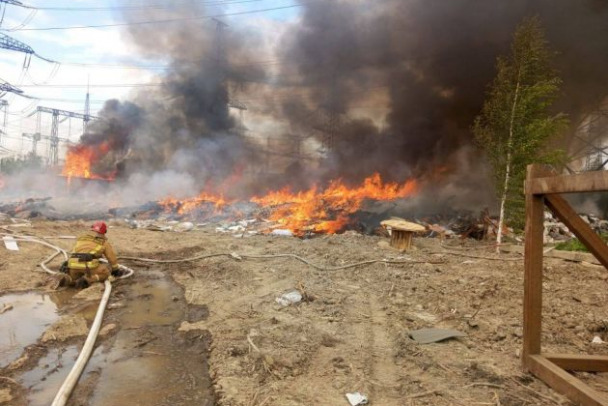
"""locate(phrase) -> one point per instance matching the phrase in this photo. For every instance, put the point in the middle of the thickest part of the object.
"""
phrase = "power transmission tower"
(87, 112)
(6, 3)
(8, 88)
(54, 137)
(221, 63)
(35, 137)
(4, 110)
(330, 125)
(220, 51)
(12, 44)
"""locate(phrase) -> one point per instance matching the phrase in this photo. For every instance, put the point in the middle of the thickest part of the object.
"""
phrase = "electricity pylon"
(54, 137)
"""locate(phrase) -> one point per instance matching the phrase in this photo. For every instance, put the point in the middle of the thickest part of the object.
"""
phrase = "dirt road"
(212, 331)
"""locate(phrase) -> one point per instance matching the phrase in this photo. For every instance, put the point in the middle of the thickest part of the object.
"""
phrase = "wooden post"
(533, 269)
(543, 187)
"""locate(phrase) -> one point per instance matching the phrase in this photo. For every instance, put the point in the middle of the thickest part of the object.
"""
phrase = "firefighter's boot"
(60, 281)
(82, 283)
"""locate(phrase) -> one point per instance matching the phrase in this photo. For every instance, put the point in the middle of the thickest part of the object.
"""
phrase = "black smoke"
(433, 61)
(396, 82)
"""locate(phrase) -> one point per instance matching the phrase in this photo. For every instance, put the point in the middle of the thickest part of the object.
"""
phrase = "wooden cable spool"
(402, 232)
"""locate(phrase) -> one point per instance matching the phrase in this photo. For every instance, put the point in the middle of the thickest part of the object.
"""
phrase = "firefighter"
(84, 266)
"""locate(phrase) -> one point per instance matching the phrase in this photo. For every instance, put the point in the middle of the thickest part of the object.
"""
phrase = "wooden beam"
(564, 383)
(533, 266)
(585, 182)
(575, 223)
(584, 363)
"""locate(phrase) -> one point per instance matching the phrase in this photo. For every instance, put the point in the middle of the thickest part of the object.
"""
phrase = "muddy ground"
(212, 333)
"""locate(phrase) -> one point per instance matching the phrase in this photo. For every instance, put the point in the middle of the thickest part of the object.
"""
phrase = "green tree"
(515, 122)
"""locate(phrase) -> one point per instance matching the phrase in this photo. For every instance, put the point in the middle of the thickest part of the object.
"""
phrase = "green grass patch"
(575, 244)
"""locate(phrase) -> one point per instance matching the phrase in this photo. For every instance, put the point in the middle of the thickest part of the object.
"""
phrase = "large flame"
(328, 210)
(80, 159)
(313, 210)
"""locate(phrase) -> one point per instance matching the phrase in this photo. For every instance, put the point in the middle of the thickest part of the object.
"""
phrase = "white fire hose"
(85, 353)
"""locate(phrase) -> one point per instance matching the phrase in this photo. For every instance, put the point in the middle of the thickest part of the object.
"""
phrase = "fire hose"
(70, 382)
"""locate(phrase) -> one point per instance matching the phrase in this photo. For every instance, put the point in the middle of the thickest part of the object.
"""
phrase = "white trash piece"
(10, 243)
(597, 340)
(356, 399)
(183, 227)
(282, 233)
(289, 298)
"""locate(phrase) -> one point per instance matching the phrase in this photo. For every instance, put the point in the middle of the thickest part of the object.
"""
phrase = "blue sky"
(105, 46)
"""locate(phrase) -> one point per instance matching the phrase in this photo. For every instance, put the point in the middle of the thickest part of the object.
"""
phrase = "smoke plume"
(394, 84)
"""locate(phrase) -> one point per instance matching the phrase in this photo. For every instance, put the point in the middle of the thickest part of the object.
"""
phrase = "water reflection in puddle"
(29, 317)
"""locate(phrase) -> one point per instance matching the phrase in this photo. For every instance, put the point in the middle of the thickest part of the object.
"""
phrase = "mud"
(349, 334)
(150, 362)
(144, 361)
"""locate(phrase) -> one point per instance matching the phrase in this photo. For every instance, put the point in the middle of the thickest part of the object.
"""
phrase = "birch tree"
(515, 122)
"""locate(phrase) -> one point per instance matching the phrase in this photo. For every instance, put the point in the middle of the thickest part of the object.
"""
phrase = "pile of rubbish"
(556, 231)
(248, 219)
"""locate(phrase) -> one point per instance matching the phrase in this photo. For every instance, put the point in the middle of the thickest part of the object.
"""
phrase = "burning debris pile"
(329, 210)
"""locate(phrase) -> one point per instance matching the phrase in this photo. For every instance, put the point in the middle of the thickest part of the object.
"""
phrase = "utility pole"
(54, 137)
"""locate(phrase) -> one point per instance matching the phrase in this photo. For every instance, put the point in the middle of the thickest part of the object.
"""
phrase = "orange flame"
(81, 158)
(189, 205)
(314, 210)
(327, 211)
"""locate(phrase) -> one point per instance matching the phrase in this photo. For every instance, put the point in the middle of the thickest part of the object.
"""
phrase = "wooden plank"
(586, 363)
(584, 182)
(577, 225)
(564, 383)
(533, 275)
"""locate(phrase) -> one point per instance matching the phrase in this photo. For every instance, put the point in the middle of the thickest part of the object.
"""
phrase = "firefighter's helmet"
(99, 227)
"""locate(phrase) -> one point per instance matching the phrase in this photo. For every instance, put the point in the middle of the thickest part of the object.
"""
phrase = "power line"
(172, 20)
(127, 8)
(75, 86)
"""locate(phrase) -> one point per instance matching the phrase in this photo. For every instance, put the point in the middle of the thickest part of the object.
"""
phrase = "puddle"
(148, 362)
(44, 381)
(153, 302)
(30, 316)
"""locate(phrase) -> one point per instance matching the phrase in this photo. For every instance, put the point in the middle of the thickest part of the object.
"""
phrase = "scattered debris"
(356, 399)
(6, 308)
(183, 227)
(282, 233)
(434, 335)
(289, 298)
(597, 340)
(10, 243)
